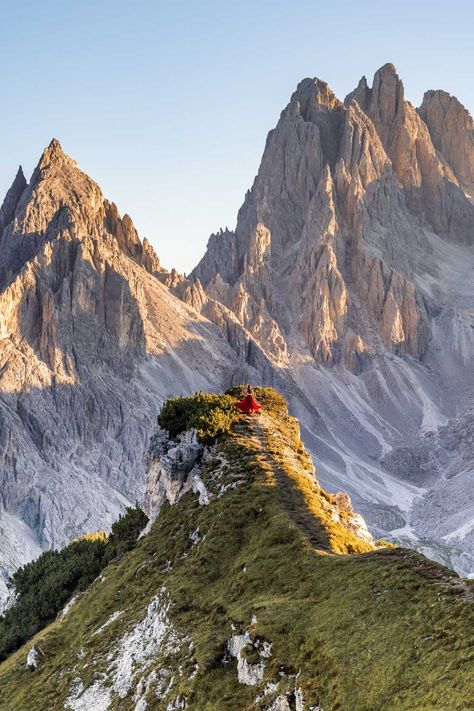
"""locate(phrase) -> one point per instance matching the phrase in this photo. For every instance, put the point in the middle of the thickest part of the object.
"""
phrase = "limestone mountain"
(91, 340)
(352, 267)
(253, 589)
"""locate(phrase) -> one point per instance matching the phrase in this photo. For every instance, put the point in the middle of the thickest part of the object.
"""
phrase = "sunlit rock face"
(427, 165)
(302, 263)
(351, 266)
(91, 341)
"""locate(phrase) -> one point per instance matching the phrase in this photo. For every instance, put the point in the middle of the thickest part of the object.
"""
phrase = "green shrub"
(43, 587)
(125, 532)
(211, 415)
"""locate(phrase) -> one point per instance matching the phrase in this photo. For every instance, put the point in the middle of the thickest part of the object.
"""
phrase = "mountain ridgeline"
(253, 588)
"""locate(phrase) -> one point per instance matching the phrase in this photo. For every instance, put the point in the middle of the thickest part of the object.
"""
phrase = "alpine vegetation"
(269, 593)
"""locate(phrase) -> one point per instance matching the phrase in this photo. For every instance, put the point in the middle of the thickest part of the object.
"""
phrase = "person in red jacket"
(248, 404)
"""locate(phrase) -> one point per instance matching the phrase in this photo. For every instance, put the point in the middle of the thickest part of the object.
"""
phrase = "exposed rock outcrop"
(173, 469)
(32, 660)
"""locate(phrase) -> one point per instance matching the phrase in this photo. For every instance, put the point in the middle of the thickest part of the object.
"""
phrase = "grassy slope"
(382, 629)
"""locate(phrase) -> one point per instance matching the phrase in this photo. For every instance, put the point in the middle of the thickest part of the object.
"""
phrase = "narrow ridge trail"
(310, 526)
(292, 499)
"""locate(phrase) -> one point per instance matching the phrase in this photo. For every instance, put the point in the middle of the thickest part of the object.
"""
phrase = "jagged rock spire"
(387, 94)
(54, 150)
(431, 150)
(385, 97)
(12, 198)
(52, 158)
(360, 94)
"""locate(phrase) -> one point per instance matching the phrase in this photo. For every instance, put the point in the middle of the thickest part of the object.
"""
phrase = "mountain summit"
(62, 202)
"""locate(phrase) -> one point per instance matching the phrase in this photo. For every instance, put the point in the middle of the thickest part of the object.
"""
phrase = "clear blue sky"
(167, 103)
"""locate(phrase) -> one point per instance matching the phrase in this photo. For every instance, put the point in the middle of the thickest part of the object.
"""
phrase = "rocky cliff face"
(320, 244)
(351, 266)
(91, 340)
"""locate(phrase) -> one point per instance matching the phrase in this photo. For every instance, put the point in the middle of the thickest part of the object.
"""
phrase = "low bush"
(210, 414)
(43, 587)
(125, 532)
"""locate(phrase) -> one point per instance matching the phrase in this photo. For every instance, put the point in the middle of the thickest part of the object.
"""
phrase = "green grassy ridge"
(384, 629)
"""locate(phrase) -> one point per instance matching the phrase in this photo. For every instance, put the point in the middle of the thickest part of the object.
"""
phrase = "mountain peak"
(386, 78)
(387, 69)
(53, 154)
(452, 131)
(12, 197)
(55, 146)
(387, 94)
(360, 93)
(58, 183)
(62, 200)
(314, 94)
